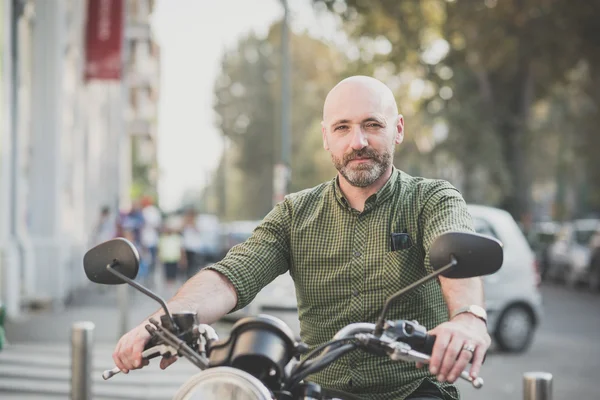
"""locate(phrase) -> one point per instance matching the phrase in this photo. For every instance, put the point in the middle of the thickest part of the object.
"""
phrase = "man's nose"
(359, 140)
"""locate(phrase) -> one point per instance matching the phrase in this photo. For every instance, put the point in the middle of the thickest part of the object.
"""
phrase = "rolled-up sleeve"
(444, 210)
(252, 265)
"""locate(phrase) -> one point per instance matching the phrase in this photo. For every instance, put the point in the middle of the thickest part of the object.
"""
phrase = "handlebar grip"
(428, 345)
(152, 342)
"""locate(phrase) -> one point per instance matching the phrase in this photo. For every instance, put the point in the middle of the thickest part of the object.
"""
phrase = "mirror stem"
(142, 289)
(390, 300)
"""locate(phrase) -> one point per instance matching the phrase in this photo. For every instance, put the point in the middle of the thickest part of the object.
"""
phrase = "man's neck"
(357, 196)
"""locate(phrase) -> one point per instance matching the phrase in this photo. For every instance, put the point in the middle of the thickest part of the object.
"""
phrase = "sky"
(192, 35)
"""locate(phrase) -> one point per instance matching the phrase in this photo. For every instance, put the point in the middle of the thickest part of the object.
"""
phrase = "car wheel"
(514, 331)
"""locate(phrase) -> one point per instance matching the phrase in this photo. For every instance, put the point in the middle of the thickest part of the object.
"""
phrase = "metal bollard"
(81, 360)
(537, 386)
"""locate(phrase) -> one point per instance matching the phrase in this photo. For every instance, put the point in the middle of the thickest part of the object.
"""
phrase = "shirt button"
(355, 293)
(357, 254)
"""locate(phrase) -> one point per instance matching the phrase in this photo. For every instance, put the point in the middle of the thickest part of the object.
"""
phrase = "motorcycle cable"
(320, 348)
(319, 364)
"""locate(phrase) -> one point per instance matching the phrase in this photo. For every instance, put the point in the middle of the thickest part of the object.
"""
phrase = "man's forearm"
(208, 293)
(462, 292)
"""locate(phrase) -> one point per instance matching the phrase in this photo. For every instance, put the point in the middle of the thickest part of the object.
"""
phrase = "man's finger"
(463, 359)
(439, 348)
(136, 353)
(117, 358)
(477, 361)
(127, 356)
(450, 356)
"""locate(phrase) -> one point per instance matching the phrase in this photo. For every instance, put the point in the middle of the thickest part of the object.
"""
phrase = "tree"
(247, 101)
(489, 62)
(244, 105)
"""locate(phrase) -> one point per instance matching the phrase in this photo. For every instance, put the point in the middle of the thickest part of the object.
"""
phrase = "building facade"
(66, 142)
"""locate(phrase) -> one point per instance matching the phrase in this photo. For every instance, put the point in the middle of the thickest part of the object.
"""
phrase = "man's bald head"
(360, 129)
(365, 92)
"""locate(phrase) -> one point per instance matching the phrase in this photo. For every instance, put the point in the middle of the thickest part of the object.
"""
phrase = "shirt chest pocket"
(394, 270)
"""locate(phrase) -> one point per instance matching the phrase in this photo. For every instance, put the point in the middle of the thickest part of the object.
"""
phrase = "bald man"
(334, 240)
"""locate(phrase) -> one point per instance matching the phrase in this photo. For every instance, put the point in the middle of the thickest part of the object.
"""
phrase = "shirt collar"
(376, 199)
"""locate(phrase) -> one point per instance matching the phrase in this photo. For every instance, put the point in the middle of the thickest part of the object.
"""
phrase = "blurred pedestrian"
(134, 220)
(105, 229)
(150, 231)
(192, 243)
(130, 234)
(171, 254)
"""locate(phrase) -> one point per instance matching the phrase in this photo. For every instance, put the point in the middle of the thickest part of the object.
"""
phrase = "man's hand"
(450, 353)
(128, 353)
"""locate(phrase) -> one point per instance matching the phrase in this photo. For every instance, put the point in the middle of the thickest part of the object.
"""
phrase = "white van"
(512, 296)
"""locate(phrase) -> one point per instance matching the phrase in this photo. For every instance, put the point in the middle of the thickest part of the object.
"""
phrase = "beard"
(363, 174)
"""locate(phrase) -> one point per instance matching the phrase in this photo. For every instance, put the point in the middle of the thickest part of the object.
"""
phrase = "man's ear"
(324, 134)
(399, 137)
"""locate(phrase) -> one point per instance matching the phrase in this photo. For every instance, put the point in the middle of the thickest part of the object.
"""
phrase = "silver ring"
(469, 347)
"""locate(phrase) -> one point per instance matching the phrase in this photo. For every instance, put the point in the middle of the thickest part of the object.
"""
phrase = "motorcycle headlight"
(223, 383)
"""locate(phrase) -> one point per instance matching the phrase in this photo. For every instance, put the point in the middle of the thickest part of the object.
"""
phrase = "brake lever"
(402, 351)
(172, 345)
(152, 352)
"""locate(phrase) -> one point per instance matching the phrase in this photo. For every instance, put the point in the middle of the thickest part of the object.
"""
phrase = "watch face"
(478, 311)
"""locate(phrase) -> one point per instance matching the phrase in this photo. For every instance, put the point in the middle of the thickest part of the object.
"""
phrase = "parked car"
(570, 255)
(279, 295)
(234, 233)
(512, 297)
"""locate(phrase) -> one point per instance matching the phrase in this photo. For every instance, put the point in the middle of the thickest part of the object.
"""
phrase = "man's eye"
(373, 125)
(340, 127)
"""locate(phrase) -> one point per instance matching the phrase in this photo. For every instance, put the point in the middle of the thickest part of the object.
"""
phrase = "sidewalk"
(36, 363)
(98, 304)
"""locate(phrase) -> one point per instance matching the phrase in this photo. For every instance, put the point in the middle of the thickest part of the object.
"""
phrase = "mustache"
(362, 153)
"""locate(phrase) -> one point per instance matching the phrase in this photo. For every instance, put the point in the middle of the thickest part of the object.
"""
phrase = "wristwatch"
(476, 310)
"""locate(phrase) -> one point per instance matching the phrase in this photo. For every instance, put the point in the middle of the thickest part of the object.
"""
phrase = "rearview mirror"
(454, 255)
(119, 253)
(476, 254)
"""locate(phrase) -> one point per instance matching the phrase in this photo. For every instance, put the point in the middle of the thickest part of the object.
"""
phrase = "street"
(33, 368)
(566, 345)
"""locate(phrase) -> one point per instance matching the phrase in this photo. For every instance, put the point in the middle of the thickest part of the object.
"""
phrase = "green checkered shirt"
(344, 268)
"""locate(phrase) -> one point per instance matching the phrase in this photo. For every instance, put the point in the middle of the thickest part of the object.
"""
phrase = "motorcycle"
(260, 360)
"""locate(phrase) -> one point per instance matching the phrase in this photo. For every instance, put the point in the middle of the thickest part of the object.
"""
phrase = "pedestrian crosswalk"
(43, 371)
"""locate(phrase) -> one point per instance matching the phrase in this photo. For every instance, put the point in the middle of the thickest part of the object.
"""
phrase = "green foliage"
(247, 104)
(490, 64)
(499, 96)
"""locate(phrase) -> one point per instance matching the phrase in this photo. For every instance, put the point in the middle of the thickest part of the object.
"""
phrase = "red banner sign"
(104, 39)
